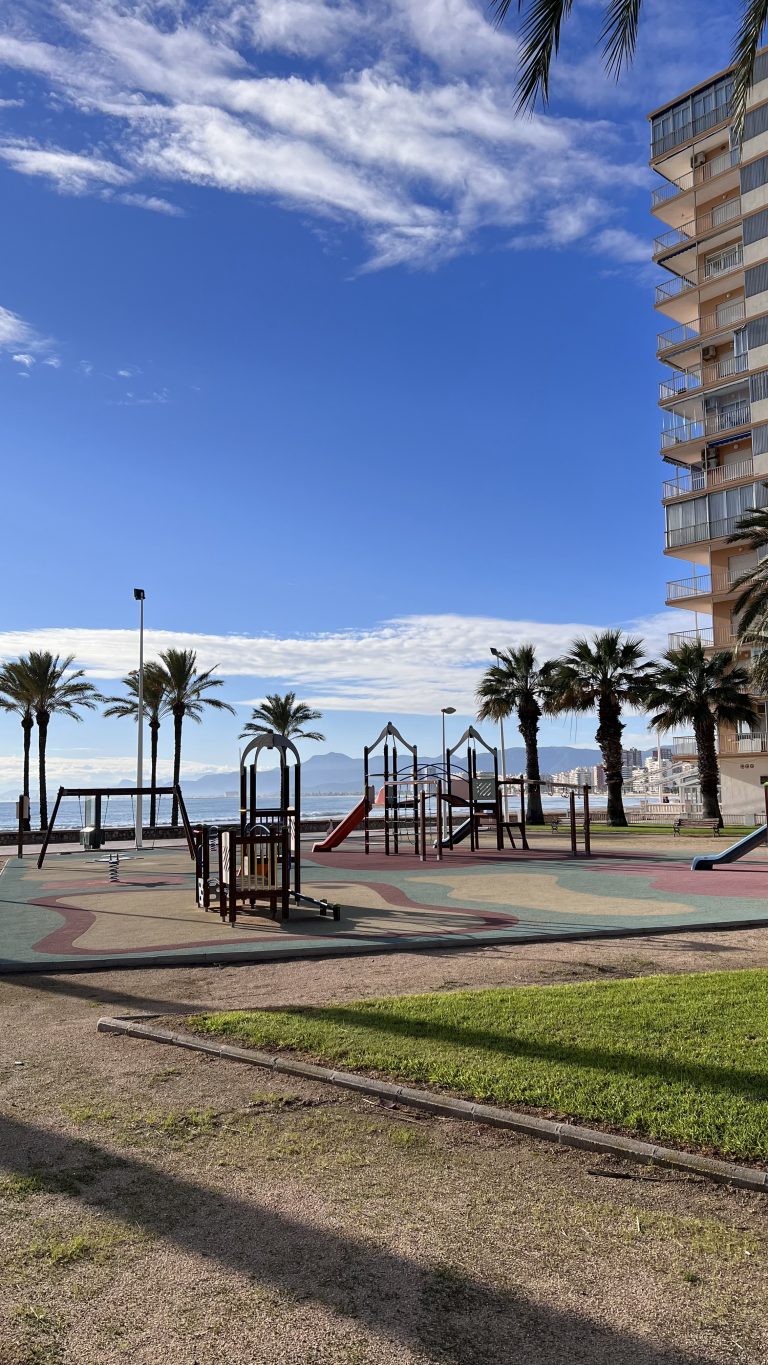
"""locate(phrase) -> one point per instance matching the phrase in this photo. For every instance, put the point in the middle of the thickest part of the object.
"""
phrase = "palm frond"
(540, 32)
(748, 39)
(619, 34)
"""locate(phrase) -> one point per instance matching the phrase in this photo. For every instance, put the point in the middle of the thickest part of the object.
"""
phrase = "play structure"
(260, 860)
(91, 832)
(417, 803)
(707, 862)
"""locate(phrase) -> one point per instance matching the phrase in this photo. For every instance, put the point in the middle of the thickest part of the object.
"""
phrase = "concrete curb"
(444, 1106)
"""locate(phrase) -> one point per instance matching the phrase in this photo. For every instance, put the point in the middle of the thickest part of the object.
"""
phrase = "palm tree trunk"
(154, 727)
(178, 718)
(42, 718)
(706, 749)
(528, 724)
(27, 723)
(608, 736)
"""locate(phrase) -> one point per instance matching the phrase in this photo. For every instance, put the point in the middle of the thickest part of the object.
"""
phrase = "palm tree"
(603, 675)
(53, 687)
(687, 688)
(542, 24)
(154, 708)
(15, 696)
(185, 690)
(285, 715)
(751, 607)
(517, 683)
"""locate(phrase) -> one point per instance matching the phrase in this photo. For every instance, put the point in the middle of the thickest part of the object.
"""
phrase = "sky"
(304, 330)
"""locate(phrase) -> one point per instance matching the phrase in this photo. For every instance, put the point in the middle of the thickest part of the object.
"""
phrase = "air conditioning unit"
(709, 353)
(699, 158)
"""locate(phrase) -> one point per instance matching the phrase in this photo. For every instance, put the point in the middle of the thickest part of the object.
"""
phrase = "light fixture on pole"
(138, 594)
(446, 711)
(497, 655)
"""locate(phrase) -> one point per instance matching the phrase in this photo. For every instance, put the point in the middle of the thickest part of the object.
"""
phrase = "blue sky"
(305, 331)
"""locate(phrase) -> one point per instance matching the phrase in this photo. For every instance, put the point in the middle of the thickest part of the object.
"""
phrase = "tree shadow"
(432, 1309)
(76, 988)
(700, 1074)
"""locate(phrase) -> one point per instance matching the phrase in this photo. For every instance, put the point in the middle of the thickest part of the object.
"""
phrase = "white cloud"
(399, 666)
(416, 141)
(53, 361)
(152, 202)
(22, 358)
(14, 331)
(105, 768)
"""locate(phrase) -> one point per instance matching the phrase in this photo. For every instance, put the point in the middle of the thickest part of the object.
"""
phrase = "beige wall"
(740, 789)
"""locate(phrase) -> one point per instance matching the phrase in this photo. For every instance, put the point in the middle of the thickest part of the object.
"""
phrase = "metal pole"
(20, 836)
(140, 726)
(572, 820)
(503, 769)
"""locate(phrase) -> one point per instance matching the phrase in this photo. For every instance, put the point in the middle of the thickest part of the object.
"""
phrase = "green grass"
(679, 1059)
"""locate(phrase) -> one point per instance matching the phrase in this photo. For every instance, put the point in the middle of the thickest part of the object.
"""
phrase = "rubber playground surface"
(69, 914)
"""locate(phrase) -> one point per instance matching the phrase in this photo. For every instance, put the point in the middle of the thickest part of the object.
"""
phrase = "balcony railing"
(704, 635)
(694, 127)
(700, 176)
(682, 382)
(696, 480)
(727, 315)
(710, 270)
(710, 221)
(756, 743)
(678, 536)
(681, 588)
(735, 415)
(684, 745)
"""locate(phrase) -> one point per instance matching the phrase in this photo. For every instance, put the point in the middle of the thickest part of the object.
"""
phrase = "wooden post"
(396, 792)
(587, 836)
(572, 813)
(423, 821)
(523, 831)
(439, 820)
(286, 882)
(51, 824)
(366, 821)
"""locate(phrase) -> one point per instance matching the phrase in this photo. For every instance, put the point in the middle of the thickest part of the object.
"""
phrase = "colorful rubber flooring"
(69, 915)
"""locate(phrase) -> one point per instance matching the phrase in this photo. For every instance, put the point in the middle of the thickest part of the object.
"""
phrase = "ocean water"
(210, 809)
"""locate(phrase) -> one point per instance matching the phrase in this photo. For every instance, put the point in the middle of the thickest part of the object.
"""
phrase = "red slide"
(345, 827)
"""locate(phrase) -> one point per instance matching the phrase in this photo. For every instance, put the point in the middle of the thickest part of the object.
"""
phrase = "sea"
(119, 811)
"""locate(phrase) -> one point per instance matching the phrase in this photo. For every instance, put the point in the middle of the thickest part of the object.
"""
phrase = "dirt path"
(162, 1205)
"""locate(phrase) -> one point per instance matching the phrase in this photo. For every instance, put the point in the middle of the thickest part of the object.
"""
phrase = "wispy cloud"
(403, 125)
(399, 666)
(23, 358)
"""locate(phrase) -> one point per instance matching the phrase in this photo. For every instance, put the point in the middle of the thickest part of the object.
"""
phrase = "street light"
(446, 711)
(497, 655)
(138, 594)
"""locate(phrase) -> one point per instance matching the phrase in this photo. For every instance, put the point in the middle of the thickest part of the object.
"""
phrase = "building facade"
(711, 207)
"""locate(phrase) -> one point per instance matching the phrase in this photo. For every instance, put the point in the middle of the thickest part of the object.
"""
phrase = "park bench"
(686, 823)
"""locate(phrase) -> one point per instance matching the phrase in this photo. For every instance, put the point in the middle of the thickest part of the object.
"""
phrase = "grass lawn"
(679, 1059)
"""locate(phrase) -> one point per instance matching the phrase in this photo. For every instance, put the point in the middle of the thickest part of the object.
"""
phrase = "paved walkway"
(69, 914)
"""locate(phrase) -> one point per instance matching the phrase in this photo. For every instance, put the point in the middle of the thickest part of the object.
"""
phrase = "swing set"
(96, 794)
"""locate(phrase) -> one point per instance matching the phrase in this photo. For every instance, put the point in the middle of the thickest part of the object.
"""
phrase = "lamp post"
(497, 655)
(138, 594)
(446, 711)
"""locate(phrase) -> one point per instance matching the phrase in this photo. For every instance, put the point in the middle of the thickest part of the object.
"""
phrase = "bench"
(693, 823)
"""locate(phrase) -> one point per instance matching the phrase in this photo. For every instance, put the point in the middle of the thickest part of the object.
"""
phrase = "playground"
(81, 911)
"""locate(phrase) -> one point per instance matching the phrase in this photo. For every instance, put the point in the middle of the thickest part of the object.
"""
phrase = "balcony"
(700, 176)
(704, 635)
(692, 127)
(726, 316)
(701, 226)
(703, 531)
(703, 274)
(682, 382)
(714, 424)
(684, 746)
(756, 743)
(681, 589)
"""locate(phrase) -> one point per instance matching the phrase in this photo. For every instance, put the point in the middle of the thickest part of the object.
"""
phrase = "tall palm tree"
(751, 607)
(154, 708)
(603, 675)
(53, 687)
(185, 691)
(285, 715)
(542, 24)
(16, 696)
(687, 688)
(518, 683)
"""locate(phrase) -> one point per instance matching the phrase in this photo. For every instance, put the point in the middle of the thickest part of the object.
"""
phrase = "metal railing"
(710, 221)
(689, 587)
(682, 382)
(704, 530)
(694, 127)
(735, 415)
(684, 744)
(696, 480)
(710, 270)
(719, 319)
(724, 162)
(756, 743)
(703, 635)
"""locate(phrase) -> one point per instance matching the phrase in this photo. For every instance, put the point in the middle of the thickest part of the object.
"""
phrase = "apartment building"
(711, 207)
